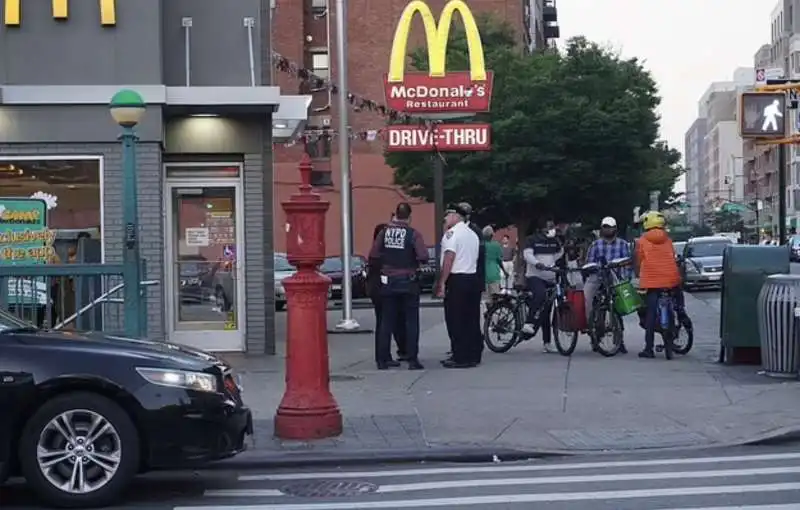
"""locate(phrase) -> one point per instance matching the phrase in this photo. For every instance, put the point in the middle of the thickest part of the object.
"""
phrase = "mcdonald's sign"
(438, 91)
(13, 11)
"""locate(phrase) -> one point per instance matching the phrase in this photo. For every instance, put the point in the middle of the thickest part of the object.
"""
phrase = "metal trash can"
(779, 325)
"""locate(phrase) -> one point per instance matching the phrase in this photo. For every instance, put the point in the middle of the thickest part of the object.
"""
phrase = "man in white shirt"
(460, 286)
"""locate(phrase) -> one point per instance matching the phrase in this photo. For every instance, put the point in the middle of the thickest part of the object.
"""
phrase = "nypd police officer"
(399, 251)
(461, 288)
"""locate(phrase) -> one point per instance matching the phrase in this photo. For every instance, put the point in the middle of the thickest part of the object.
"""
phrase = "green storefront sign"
(25, 240)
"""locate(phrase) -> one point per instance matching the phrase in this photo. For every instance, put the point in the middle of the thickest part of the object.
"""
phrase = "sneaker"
(529, 329)
(623, 349)
(647, 354)
(548, 348)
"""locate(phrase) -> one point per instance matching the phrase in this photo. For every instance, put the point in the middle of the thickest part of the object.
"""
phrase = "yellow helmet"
(653, 219)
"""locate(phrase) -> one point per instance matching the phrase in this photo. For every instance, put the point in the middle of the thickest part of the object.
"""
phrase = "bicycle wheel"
(602, 322)
(566, 341)
(684, 338)
(500, 328)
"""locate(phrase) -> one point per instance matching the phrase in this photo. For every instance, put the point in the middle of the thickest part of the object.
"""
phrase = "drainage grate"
(328, 489)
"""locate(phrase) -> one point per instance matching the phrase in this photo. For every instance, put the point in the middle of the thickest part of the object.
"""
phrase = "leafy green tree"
(574, 136)
(726, 220)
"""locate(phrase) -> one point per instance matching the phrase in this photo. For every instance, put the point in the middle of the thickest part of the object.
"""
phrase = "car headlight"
(198, 381)
(692, 268)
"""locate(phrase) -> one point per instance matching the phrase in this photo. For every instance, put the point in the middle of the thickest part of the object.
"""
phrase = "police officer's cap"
(463, 209)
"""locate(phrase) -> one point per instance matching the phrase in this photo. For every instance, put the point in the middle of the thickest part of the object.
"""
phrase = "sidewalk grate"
(328, 489)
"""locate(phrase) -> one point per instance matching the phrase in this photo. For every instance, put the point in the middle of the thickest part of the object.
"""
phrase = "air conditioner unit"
(319, 4)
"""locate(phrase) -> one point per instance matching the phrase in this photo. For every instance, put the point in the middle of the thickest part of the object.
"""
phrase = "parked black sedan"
(427, 272)
(82, 414)
(333, 268)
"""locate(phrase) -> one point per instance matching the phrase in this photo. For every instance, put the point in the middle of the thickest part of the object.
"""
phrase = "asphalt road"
(745, 478)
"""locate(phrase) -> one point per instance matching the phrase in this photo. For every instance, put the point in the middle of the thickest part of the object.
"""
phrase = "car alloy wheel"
(79, 450)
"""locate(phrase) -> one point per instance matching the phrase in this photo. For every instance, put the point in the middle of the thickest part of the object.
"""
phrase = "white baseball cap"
(608, 221)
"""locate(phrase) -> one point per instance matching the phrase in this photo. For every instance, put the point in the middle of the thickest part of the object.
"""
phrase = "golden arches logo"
(436, 35)
(13, 11)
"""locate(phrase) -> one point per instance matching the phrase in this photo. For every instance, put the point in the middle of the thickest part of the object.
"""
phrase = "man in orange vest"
(658, 271)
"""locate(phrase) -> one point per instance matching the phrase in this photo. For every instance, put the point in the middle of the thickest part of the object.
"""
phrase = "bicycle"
(672, 321)
(508, 313)
(603, 318)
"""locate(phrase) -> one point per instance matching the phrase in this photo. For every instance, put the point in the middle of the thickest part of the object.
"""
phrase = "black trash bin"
(779, 325)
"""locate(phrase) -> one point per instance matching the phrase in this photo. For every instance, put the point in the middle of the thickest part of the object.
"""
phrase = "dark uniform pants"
(399, 331)
(538, 288)
(462, 314)
(399, 300)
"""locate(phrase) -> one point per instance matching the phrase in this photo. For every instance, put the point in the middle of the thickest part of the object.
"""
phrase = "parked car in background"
(427, 272)
(83, 413)
(701, 262)
(332, 268)
(794, 248)
(282, 270)
(193, 271)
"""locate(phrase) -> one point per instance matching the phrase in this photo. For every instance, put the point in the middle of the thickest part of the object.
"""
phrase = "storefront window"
(50, 213)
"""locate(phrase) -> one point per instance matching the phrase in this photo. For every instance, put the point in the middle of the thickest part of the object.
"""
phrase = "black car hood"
(100, 343)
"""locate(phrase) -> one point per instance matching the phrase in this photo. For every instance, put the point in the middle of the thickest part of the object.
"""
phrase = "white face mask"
(551, 233)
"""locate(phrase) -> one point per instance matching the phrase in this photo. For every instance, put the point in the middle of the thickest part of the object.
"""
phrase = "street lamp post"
(127, 108)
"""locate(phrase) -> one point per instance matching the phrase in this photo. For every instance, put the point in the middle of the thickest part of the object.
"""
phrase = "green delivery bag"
(626, 299)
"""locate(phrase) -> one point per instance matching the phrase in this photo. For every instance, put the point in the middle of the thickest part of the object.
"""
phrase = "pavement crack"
(505, 429)
(565, 393)
(722, 387)
(415, 381)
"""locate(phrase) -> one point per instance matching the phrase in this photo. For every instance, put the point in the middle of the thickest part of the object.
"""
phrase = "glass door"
(204, 249)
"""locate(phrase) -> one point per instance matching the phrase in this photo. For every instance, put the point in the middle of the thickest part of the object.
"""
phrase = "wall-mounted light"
(204, 115)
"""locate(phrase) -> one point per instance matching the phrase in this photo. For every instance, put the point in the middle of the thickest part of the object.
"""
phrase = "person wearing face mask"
(542, 249)
(608, 247)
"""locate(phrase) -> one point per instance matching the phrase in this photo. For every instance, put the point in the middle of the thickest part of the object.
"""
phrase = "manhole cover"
(345, 377)
(328, 489)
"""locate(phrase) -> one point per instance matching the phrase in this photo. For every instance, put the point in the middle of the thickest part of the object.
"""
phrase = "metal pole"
(131, 276)
(782, 194)
(348, 322)
(438, 204)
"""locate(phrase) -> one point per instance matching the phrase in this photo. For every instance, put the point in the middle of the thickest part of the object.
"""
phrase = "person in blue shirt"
(608, 247)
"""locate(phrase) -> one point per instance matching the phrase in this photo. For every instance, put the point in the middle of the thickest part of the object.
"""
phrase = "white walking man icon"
(771, 114)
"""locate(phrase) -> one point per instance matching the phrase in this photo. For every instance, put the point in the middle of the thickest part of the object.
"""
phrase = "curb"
(254, 460)
(250, 461)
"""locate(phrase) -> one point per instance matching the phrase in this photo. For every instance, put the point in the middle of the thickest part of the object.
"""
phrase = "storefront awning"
(289, 112)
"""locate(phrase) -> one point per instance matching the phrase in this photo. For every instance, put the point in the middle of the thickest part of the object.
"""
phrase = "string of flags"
(316, 83)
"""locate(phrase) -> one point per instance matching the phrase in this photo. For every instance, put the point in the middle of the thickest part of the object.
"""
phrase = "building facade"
(204, 156)
(304, 35)
(695, 159)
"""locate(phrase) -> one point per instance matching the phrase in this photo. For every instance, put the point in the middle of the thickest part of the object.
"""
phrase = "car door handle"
(15, 378)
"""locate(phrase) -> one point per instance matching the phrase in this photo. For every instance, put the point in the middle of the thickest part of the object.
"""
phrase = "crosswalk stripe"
(789, 506)
(546, 480)
(520, 467)
(516, 498)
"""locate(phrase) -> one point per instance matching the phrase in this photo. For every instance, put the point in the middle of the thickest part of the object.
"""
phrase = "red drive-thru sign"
(438, 91)
(439, 137)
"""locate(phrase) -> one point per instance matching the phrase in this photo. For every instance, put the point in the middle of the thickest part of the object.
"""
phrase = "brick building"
(303, 32)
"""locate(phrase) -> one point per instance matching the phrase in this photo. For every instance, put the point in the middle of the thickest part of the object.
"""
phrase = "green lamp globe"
(127, 107)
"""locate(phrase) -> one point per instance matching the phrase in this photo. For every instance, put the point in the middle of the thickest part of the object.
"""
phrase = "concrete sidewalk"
(525, 402)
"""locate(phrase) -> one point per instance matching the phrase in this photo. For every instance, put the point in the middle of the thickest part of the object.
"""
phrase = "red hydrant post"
(308, 409)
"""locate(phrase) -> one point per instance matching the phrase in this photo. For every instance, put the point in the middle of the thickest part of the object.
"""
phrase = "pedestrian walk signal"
(762, 115)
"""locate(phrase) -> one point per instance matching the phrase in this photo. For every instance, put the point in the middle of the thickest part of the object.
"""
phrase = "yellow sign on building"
(13, 11)
(436, 35)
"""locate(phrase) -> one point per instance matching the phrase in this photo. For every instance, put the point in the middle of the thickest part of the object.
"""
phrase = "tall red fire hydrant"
(308, 409)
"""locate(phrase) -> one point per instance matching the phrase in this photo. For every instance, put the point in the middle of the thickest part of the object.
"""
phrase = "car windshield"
(9, 321)
(678, 248)
(282, 264)
(708, 248)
